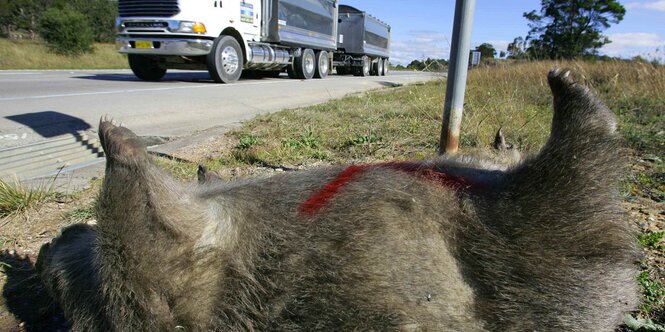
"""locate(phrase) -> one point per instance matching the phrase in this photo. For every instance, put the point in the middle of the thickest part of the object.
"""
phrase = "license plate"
(143, 44)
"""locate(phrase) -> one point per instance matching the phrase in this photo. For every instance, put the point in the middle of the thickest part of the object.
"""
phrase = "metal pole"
(457, 70)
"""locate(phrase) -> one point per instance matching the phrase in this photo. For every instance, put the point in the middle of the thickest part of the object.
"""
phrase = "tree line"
(68, 26)
(567, 29)
(560, 29)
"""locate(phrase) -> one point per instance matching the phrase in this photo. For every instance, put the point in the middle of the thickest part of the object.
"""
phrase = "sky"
(423, 28)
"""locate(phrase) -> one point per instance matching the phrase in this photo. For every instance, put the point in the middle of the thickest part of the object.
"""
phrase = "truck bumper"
(165, 46)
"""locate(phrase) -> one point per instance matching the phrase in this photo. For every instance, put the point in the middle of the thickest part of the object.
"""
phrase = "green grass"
(651, 240)
(28, 54)
(374, 125)
(82, 213)
(16, 198)
(246, 142)
(179, 169)
(653, 292)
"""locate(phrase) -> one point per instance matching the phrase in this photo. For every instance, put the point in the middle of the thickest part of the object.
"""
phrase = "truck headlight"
(192, 27)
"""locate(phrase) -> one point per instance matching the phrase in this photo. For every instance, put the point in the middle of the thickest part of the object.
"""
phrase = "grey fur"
(540, 246)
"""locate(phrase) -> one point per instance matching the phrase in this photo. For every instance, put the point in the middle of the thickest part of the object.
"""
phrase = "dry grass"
(405, 123)
(517, 97)
(27, 54)
(16, 198)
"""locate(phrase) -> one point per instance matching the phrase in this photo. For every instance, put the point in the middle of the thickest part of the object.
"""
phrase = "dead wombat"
(441, 244)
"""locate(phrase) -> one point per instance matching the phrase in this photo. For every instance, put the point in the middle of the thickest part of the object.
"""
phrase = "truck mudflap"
(164, 46)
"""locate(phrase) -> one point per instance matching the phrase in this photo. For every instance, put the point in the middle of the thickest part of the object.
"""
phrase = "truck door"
(250, 19)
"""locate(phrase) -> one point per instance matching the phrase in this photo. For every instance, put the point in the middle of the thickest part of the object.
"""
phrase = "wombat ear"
(499, 140)
(206, 176)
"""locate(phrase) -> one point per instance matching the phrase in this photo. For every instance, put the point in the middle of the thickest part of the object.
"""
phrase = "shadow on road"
(171, 77)
(174, 77)
(51, 124)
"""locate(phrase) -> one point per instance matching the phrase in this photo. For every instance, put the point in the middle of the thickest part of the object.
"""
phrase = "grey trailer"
(301, 23)
(363, 43)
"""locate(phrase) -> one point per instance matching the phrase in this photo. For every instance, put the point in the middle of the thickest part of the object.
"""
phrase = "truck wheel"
(364, 69)
(322, 64)
(304, 65)
(384, 71)
(377, 67)
(290, 71)
(225, 60)
(145, 68)
(341, 70)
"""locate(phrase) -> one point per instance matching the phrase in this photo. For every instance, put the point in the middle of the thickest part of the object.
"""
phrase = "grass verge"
(16, 198)
(30, 54)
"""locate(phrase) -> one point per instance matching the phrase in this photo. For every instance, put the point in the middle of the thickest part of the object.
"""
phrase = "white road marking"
(14, 137)
(19, 73)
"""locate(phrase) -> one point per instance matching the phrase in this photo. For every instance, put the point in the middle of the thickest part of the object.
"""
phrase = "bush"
(66, 31)
(100, 14)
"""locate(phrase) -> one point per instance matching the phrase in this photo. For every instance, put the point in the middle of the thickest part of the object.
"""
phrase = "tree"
(428, 65)
(6, 17)
(99, 13)
(21, 14)
(486, 50)
(25, 15)
(517, 49)
(571, 28)
(415, 65)
(66, 31)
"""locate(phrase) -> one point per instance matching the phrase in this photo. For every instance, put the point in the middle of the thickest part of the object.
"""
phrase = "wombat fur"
(448, 244)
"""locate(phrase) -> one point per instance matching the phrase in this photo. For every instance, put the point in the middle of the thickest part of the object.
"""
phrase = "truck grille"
(158, 8)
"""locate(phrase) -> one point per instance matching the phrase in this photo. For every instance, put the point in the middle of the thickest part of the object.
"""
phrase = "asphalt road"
(42, 105)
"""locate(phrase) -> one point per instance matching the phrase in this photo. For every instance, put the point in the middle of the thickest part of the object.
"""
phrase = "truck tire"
(341, 70)
(322, 64)
(384, 70)
(364, 69)
(225, 60)
(145, 68)
(304, 65)
(290, 71)
(377, 67)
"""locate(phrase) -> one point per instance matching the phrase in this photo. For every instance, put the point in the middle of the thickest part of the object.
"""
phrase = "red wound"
(320, 199)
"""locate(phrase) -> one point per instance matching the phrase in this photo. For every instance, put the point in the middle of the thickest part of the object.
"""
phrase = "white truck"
(262, 36)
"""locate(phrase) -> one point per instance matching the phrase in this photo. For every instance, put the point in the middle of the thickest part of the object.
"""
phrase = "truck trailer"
(305, 38)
